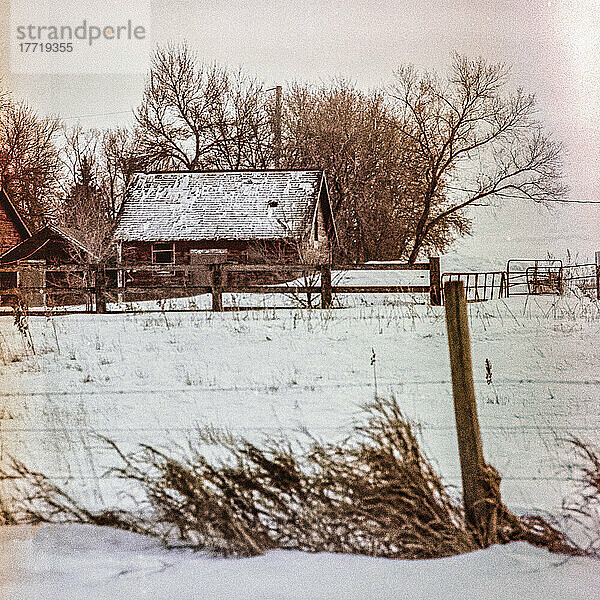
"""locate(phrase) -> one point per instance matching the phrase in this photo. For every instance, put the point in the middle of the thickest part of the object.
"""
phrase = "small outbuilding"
(50, 246)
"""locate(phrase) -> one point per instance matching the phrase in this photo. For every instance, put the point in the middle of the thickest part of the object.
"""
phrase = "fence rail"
(96, 285)
(93, 286)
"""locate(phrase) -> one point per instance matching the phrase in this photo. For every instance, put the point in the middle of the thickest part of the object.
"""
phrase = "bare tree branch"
(470, 115)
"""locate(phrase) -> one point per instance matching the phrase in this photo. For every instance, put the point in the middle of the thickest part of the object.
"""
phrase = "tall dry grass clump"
(375, 493)
(582, 510)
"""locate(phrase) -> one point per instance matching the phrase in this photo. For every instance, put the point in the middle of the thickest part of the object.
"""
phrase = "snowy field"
(155, 377)
(85, 563)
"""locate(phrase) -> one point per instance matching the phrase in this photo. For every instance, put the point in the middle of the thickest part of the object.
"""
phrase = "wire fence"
(524, 277)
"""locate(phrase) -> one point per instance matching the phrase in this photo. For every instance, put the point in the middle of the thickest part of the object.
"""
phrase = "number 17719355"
(45, 47)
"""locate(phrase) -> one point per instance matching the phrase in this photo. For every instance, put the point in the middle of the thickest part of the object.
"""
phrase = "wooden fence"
(95, 286)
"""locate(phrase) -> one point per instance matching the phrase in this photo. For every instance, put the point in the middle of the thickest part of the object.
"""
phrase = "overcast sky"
(553, 47)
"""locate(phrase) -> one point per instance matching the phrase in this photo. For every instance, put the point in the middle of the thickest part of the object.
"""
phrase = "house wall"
(241, 251)
(321, 229)
(316, 245)
(57, 252)
(53, 251)
(9, 234)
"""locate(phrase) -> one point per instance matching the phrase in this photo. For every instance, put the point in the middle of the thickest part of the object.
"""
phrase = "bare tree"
(85, 208)
(242, 126)
(117, 164)
(196, 116)
(175, 118)
(30, 168)
(373, 171)
(468, 123)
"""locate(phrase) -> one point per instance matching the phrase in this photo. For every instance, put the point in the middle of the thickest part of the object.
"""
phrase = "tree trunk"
(420, 230)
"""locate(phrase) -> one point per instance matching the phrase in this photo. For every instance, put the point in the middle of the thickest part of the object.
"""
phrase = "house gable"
(323, 228)
(13, 230)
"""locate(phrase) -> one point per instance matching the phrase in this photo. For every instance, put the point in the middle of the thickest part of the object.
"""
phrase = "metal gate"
(525, 276)
(480, 286)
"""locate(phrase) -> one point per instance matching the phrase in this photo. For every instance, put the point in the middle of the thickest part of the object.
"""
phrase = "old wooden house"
(227, 216)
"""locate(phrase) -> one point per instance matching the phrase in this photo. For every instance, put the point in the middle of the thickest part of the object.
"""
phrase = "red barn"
(12, 227)
(50, 245)
(235, 216)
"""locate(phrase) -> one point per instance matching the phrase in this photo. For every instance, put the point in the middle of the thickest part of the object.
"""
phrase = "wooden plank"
(46, 268)
(275, 268)
(383, 267)
(435, 286)
(47, 290)
(291, 268)
(175, 289)
(344, 267)
(150, 268)
(251, 289)
(217, 288)
(381, 289)
(99, 291)
(339, 289)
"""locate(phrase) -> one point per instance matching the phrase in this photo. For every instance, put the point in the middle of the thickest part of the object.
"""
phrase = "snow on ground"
(82, 562)
(155, 377)
(141, 377)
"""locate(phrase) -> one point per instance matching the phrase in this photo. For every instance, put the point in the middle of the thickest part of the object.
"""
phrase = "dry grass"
(582, 510)
(374, 494)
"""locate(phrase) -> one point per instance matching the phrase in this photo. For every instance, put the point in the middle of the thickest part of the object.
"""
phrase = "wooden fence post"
(99, 288)
(120, 285)
(480, 482)
(217, 287)
(326, 291)
(435, 286)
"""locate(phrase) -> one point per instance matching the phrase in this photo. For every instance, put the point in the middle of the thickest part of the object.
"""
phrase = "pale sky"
(553, 47)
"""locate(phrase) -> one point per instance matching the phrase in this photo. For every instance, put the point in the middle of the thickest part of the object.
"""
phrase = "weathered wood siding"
(9, 234)
(238, 251)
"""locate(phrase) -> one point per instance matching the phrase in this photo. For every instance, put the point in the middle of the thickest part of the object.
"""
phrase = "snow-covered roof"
(233, 205)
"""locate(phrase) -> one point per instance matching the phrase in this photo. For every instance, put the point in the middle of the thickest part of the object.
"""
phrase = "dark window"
(163, 254)
(8, 281)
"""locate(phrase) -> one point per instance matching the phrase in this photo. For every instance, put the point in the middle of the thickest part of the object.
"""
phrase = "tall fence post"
(435, 285)
(598, 275)
(99, 289)
(217, 287)
(326, 290)
(480, 482)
